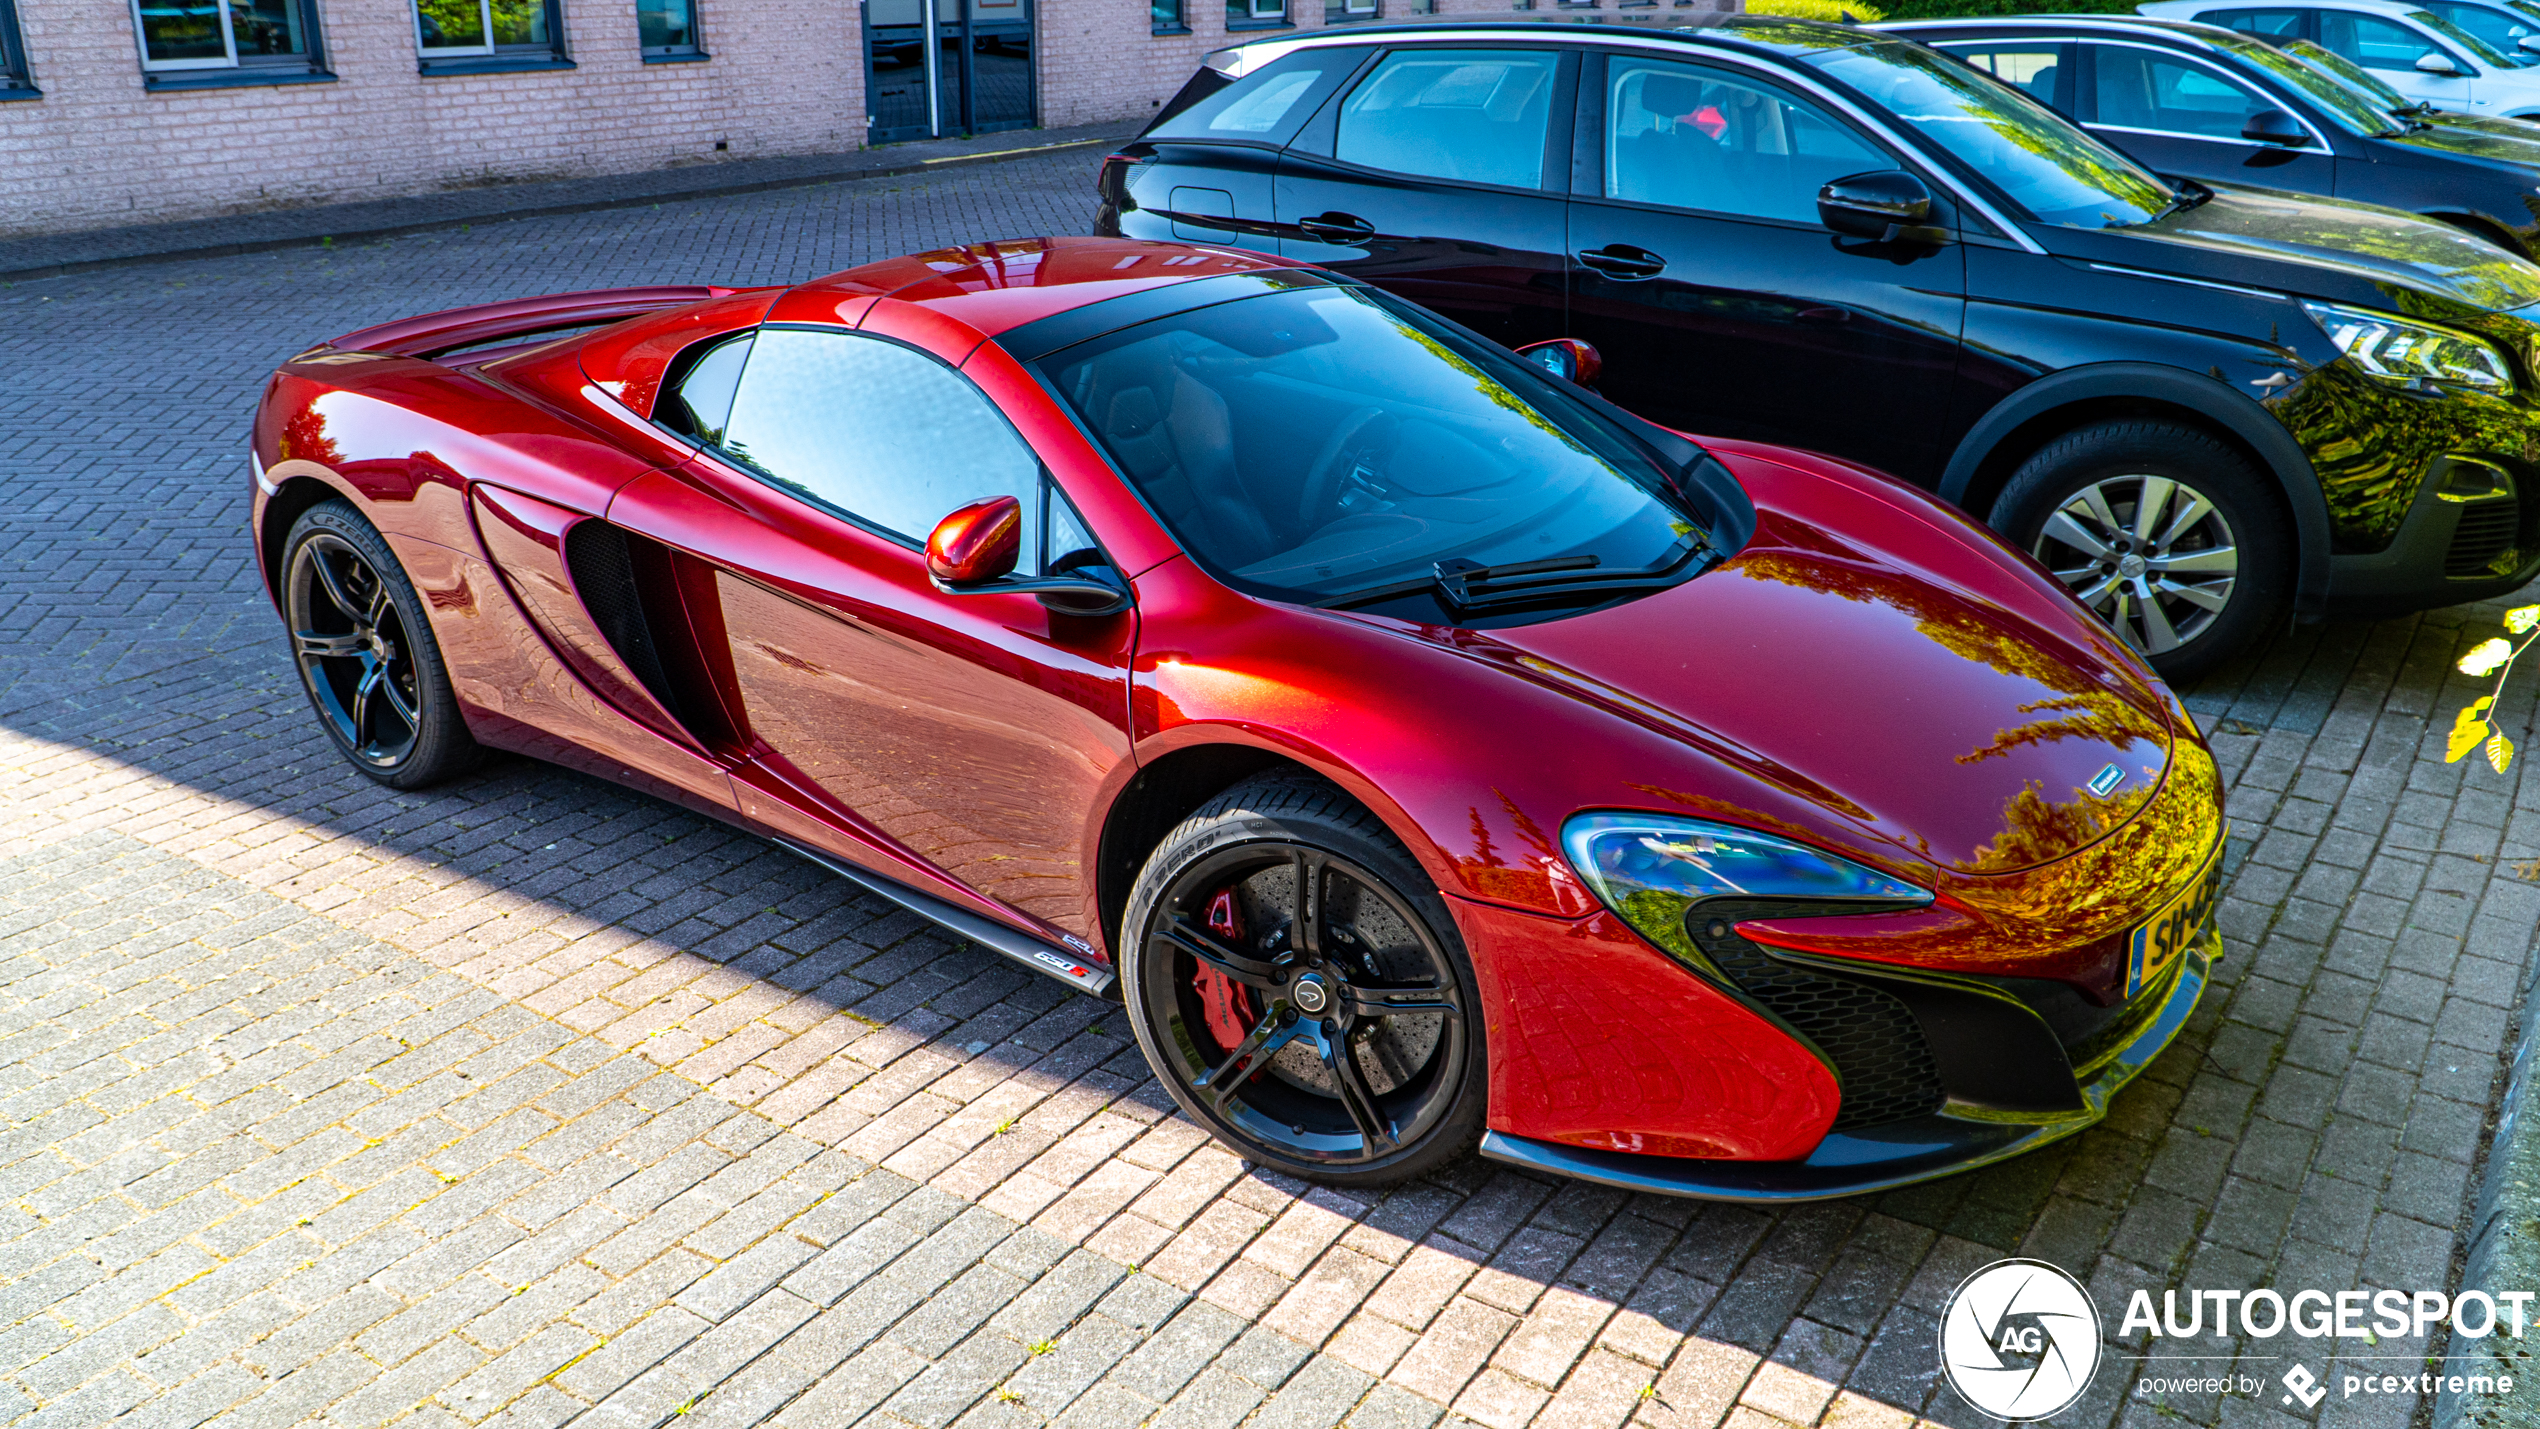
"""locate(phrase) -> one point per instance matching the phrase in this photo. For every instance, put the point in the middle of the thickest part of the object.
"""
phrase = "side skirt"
(1044, 958)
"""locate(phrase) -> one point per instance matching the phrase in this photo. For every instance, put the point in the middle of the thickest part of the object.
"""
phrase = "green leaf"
(2522, 618)
(2485, 656)
(2500, 752)
(2469, 730)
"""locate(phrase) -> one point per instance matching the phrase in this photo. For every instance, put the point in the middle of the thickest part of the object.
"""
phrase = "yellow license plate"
(2187, 921)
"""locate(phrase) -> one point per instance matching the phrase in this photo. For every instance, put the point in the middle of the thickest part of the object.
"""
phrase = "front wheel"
(365, 652)
(1298, 985)
(2170, 536)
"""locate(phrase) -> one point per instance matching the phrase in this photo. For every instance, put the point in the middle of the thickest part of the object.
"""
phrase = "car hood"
(2362, 241)
(1890, 663)
(2501, 142)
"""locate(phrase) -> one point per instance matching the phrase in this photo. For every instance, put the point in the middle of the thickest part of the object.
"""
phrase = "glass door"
(975, 76)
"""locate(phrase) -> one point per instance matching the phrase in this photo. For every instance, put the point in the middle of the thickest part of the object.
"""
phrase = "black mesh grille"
(604, 576)
(2486, 532)
(1876, 1045)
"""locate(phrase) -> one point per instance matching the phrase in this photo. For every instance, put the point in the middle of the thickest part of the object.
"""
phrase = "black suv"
(2193, 404)
(2201, 102)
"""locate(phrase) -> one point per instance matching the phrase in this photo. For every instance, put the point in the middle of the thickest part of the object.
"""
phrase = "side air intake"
(604, 575)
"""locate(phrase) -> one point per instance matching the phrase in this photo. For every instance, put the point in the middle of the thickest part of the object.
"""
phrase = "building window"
(1336, 12)
(1164, 17)
(1256, 14)
(188, 44)
(16, 81)
(667, 29)
(475, 36)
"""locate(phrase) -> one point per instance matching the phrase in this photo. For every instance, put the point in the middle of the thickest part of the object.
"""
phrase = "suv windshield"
(2040, 161)
(2354, 112)
(1329, 444)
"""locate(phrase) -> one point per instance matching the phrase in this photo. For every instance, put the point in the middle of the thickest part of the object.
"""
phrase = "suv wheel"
(1298, 985)
(2166, 533)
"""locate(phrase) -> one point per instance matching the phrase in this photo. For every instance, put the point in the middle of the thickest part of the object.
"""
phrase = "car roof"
(989, 288)
(1775, 34)
(2376, 7)
(2193, 31)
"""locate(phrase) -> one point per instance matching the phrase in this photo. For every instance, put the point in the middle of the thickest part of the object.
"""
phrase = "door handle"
(1623, 263)
(1337, 227)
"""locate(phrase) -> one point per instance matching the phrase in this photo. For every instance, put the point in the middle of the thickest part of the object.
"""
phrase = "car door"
(2182, 114)
(2391, 50)
(899, 725)
(1720, 303)
(1439, 176)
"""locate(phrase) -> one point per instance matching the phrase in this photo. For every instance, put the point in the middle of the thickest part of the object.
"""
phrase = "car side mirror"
(2274, 126)
(976, 543)
(2436, 62)
(973, 551)
(1884, 206)
(1566, 358)
(2530, 42)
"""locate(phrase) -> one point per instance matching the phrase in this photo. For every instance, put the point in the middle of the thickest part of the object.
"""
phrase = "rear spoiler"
(433, 334)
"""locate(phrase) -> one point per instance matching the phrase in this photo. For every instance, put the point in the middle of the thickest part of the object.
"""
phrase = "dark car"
(2200, 102)
(2193, 404)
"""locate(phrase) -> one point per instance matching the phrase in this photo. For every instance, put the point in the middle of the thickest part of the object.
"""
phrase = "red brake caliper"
(1229, 1003)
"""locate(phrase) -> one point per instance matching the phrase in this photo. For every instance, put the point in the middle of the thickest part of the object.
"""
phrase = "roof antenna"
(1848, 17)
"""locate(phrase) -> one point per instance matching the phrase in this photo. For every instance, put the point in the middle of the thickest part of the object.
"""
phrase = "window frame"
(491, 57)
(230, 69)
(694, 49)
(2086, 45)
(1252, 15)
(1168, 17)
(1352, 12)
(17, 79)
(1588, 169)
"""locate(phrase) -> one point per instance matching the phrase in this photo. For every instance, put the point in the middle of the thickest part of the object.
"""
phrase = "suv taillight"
(1113, 182)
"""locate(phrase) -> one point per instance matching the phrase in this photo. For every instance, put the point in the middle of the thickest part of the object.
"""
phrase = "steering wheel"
(1323, 478)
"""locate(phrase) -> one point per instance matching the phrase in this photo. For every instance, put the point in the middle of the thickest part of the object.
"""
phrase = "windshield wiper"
(1464, 586)
(2190, 194)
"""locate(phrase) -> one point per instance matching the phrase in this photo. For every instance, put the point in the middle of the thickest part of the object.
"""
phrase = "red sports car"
(1423, 749)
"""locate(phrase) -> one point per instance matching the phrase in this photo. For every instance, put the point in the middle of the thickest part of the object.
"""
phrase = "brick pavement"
(782, 1147)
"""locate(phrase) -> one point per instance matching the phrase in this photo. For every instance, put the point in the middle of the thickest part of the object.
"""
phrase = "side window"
(1477, 116)
(1696, 138)
(1266, 106)
(696, 394)
(2162, 94)
(875, 431)
(2265, 24)
(2372, 42)
(2500, 30)
(2038, 69)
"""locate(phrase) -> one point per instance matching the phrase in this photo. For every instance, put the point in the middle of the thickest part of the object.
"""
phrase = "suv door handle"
(1337, 227)
(1623, 263)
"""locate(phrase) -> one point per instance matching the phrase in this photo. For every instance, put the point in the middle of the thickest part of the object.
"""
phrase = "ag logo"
(2020, 1340)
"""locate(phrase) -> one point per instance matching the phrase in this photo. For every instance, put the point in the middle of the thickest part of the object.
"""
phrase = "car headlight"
(1650, 868)
(2398, 351)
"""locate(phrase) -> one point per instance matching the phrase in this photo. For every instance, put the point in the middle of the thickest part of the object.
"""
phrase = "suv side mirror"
(1884, 206)
(2436, 62)
(2530, 42)
(1566, 358)
(2274, 126)
(973, 551)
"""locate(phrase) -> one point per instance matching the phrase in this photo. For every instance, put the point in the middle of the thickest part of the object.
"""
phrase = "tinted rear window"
(1267, 106)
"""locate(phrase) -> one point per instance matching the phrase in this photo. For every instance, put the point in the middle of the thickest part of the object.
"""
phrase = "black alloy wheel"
(365, 653)
(1300, 989)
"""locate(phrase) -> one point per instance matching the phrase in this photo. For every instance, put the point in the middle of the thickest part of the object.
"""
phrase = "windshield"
(2479, 49)
(1319, 442)
(2501, 30)
(2338, 67)
(2353, 111)
(2032, 154)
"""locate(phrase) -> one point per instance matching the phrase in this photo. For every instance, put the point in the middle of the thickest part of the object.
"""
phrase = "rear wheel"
(1298, 985)
(2166, 533)
(365, 652)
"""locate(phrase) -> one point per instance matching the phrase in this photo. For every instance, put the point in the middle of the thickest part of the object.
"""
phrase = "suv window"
(2373, 42)
(2266, 24)
(1267, 106)
(2037, 69)
(1478, 116)
(2165, 94)
(1691, 137)
(2503, 33)
(874, 431)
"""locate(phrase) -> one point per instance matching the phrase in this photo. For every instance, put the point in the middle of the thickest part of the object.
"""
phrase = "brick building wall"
(97, 150)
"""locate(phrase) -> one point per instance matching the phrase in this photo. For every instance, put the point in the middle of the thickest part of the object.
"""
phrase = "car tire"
(2210, 574)
(365, 652)
(1352, 1054)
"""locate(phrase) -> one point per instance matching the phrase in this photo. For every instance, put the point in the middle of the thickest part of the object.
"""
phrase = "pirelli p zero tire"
(1295, 979)
(2166, 532)
(365, 652)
